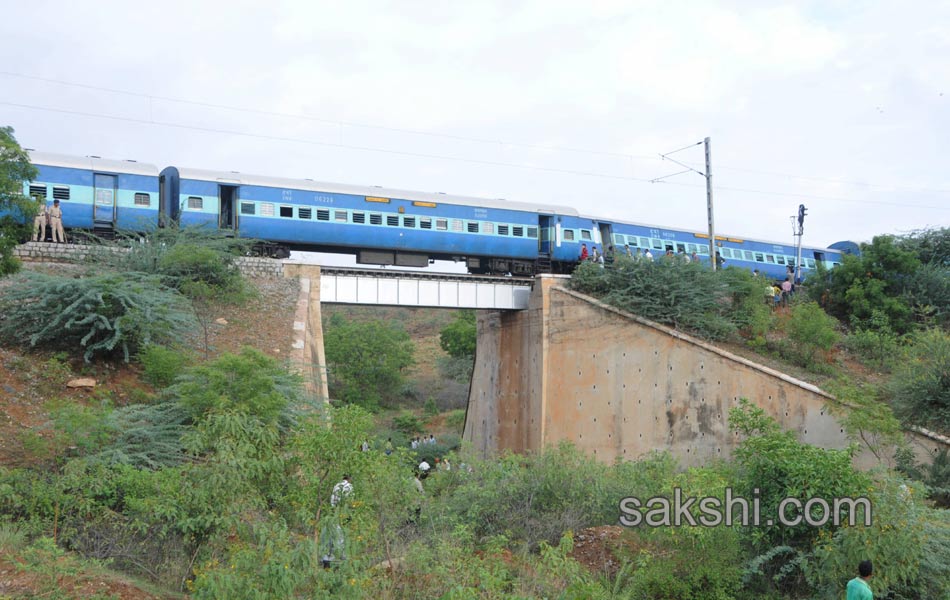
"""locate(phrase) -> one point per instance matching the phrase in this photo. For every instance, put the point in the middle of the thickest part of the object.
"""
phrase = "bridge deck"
(416, 288)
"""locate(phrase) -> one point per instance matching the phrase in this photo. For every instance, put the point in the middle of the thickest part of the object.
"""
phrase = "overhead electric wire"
(258, 111)
(446, 135)
(152, 121)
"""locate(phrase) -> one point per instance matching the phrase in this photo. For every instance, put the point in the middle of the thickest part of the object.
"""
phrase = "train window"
(304, 212)
(681, 247)
(139, 199)
(644, 243)
(359, 217)
(726, 253)
(409, 222)
(758, 257)
(532, 232)
(472, 227)
(568, 235)
(657, 244)
(441, 224)
(392, 220)
(585, 234)
(38, 190)
(456, 225)
(748, 255)
(810, 263)
(61, 192)
(517, 231)
(425, 223)
(376, 219)
(836, 264)
(195, 202)
(704, 250)
(267, 209)
(488, 228)
(339, 215)
(287, 212)
(632, 240)
(323, 214)
(503, 230)
(780, 260)
(247, 208)
(769, 259)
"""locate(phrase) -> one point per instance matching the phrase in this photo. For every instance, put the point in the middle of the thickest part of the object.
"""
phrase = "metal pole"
(798, 266)
(709, 208)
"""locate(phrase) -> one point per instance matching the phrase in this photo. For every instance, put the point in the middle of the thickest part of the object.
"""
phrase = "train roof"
(93, 163)
(718, 233)
(357, 190)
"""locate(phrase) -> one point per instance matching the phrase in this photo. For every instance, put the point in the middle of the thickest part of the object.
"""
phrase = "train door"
(606, 235)
(227, 200)
(103, 210)
(545, 234)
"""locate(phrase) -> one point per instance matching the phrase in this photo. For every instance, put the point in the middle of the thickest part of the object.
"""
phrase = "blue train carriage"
(771, 259)
(97, 194)
(379, 226)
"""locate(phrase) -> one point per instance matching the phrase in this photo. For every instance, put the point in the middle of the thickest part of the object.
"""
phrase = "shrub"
(456, 419)
(811, 336)
(407, 423)
(176, 254)
(103, 315)
(779, 466)
(161, 365)
(920, 387)
(430, 409)
(366, 360)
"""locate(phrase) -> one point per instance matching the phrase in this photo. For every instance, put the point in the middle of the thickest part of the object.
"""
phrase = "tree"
(16, 210)
(366, 360)
(932, 246)
(878, 280)
(458, 337)
(811, 336)
(921, 384)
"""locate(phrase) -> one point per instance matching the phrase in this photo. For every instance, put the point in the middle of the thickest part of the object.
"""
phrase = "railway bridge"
(553, 365)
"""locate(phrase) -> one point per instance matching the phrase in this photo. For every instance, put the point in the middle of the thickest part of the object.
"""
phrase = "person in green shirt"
(858, 588)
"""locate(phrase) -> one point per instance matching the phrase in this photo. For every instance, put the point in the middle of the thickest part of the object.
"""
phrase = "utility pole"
(713, 259)
(802, 211)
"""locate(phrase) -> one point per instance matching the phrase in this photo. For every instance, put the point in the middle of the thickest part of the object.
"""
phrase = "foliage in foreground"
(111, 314)
(239, 506)
(16, 210)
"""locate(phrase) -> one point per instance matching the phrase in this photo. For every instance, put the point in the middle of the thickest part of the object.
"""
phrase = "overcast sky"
(841, 106)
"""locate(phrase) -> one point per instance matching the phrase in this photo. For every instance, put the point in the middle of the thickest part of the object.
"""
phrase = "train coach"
(379, 226)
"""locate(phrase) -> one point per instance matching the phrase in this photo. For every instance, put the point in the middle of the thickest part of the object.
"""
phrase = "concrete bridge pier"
(619, 386)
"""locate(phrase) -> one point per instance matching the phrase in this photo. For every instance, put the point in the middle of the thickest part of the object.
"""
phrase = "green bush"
(117, 313)
(811, 336)
(16, 210)
(873, 348)
(407, 423)
(178, 254)
(430, 408)
(456, 419)
(920, 387)
(458, 337)
(779, 466)
(161, 365)
(366, 360)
